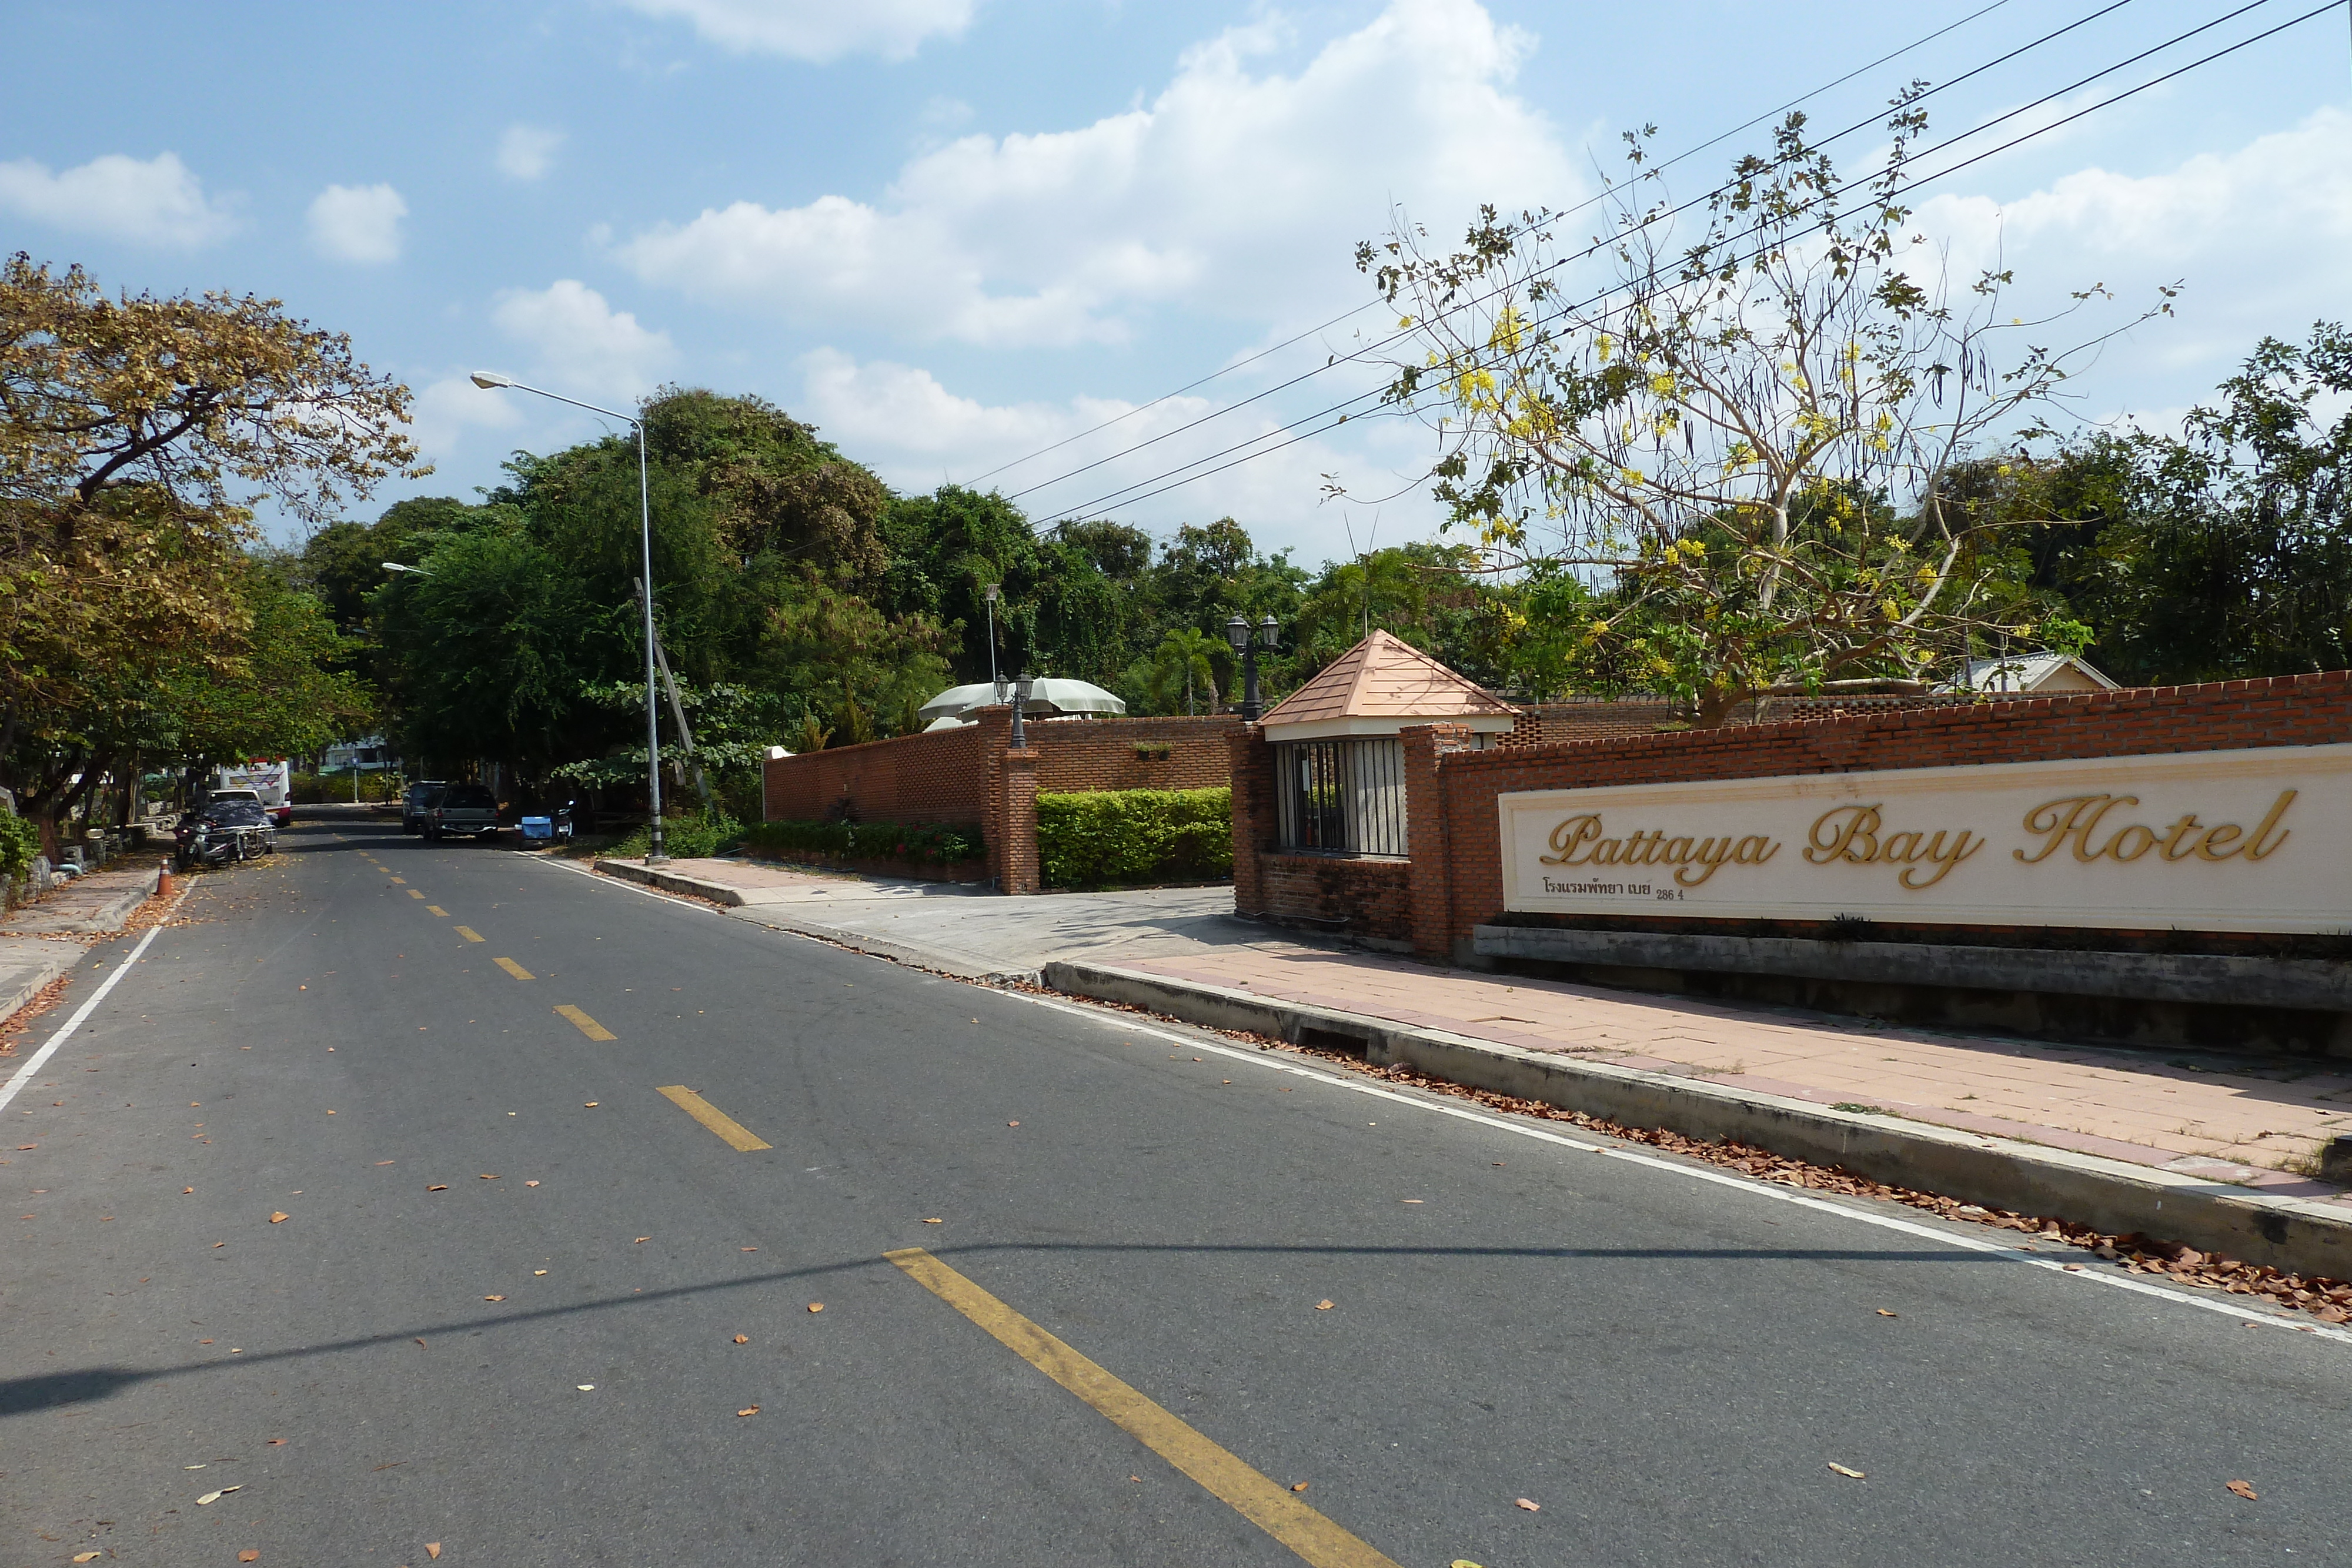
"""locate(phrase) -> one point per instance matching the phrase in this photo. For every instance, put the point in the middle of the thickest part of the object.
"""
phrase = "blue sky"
(952, 232)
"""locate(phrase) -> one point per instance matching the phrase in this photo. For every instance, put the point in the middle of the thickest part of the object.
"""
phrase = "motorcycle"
(223, 834)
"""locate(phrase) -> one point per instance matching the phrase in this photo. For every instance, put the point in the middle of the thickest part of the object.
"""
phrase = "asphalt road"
(487, 1207)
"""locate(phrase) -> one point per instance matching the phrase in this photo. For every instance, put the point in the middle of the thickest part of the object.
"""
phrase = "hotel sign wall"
(2256, 840)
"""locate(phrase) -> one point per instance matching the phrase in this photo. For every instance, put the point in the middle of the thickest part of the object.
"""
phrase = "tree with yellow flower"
(1724, 442)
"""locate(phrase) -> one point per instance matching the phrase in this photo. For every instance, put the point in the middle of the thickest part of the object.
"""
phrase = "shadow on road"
(48, 1391)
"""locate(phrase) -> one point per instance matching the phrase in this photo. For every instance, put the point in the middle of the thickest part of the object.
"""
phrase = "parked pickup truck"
(464, 809)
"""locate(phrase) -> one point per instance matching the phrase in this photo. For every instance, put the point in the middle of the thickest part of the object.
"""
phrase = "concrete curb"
(780, 917)
(2295, 1234)
(671, 882)
(20, 985)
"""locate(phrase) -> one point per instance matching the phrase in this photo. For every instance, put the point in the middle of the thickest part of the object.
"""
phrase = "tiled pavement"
(2245, 1119)
(2240, 1119)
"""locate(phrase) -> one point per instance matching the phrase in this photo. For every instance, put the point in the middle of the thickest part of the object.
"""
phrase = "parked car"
(418, 803)
(224, 831)
(464, 809)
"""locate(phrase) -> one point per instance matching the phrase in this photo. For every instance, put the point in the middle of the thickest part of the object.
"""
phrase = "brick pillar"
(1426, 835)
(1016, 825)
(995, 737)
(1254, 822)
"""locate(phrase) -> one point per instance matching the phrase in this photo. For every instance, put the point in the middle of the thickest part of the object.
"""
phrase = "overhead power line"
(1178, 476)
(1589, 202)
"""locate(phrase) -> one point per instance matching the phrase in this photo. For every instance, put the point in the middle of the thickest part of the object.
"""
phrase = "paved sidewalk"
(2218, 1117)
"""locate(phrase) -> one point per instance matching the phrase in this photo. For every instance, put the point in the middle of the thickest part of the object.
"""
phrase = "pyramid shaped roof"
(1379, 686)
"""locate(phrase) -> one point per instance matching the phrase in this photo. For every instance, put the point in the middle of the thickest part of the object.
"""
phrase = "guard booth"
(1338, 766)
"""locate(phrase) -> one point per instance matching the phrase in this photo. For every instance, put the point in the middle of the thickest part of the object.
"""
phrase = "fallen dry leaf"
(494, 1298)
(747, 1249)
(185, 1190)
(935, 1222)
(442, 1188)
(641, 1239)
(387, 1161)
(2245, 1490)
(1884, 1314)
(747, 1410)
(588, 1105)
(585, 1387)
(279, 1216)
(85, 1556)
(1323, 1306)
(816, 1306)
(248, 1555)
(1530, 1507)
(277, 1442)
(488, 1176)
(209, 1499)
(1301, 1487)
(432, 1549)
(1012, 1123)
(1843, 1471)
(531, 1184)
(743, 1339)
(420, 1341)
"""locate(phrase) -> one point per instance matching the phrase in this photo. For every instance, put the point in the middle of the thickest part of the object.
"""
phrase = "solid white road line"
(1517, 1127)
(25, 1073)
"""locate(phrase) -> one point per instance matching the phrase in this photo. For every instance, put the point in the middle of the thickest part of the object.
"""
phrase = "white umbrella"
(1047, 694)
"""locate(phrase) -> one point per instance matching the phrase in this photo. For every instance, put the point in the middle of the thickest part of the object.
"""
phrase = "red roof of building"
(1385, 677)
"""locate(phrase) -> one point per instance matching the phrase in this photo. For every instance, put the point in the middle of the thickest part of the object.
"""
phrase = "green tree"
(135, 433)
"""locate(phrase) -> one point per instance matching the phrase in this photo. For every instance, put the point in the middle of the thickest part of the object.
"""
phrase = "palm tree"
(1187, 650)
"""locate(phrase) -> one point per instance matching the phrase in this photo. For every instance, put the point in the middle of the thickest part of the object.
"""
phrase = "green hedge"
(19, 842)
(925, 843)
(686, 835)
(1112, 836)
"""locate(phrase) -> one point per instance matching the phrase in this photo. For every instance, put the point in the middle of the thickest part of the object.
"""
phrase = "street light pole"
(1239, 639)
(995, 687)
(491, 380)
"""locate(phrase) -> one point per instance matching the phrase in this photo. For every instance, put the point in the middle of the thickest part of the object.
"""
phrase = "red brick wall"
(1340, 893)
(1458, 789)
(1075, 756)
(929, 777)
(944, 775)
(1609, 718)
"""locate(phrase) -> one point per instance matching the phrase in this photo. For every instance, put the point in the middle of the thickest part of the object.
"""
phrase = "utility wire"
(1359, 309)
(1124, 496)
(1555, 217)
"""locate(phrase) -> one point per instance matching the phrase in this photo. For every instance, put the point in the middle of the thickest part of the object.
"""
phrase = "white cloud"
(528, 151)
(581, 342)
(2257, 235)
(1233, 193)
(357, 223)
(446, 410)
(919, 434)
(818, 30)
(158, 201)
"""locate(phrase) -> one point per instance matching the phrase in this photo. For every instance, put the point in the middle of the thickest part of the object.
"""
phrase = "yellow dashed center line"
(438, 910)
(399, 882)
(509, 965)
(585, 1024)
(737, 1136)
(469, 934)
(1270, 1507)
(414, 894)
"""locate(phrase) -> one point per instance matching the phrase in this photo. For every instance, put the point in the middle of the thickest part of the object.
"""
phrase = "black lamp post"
(1021, 689)
(1245, 648)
